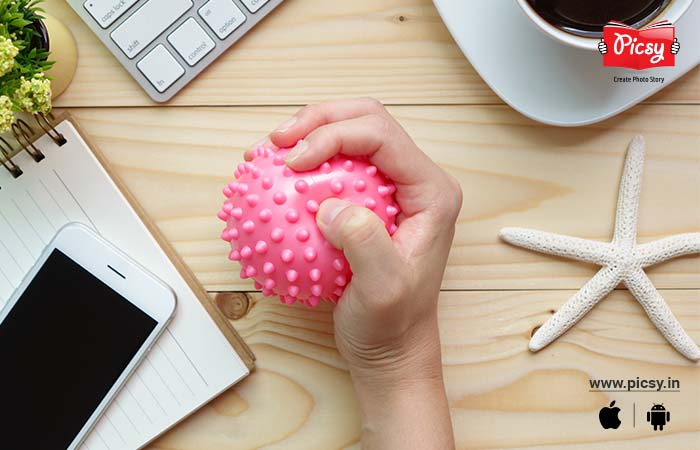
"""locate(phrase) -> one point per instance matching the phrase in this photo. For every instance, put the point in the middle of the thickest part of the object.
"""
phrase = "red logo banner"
(652, 46)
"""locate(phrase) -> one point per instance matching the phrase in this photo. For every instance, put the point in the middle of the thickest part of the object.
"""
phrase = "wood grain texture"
(514, 172)
(312, 50)
(501, 395)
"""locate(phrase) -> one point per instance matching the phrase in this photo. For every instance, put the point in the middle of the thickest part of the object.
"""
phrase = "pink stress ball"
(270, 214)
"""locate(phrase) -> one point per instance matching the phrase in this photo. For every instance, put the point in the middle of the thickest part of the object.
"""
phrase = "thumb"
(361, 235)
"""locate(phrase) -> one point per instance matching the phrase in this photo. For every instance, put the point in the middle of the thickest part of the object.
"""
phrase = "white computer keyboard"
(164, 44)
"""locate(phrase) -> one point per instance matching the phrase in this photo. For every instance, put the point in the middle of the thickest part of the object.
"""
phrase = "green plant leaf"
(17, 19)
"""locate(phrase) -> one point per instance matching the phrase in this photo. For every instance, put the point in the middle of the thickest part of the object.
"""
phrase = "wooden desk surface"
(514, 172)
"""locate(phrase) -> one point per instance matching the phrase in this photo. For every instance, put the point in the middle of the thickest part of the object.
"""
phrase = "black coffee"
(587, 17)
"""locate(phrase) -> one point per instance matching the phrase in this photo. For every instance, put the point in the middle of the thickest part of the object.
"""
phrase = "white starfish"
(622, 260)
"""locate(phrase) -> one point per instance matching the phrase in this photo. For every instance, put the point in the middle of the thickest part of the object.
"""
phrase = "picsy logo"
(653, 46)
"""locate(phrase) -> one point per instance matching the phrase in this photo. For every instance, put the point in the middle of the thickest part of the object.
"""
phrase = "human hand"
(602, 47)
(395, 281)
(675, 47)
(386, 321)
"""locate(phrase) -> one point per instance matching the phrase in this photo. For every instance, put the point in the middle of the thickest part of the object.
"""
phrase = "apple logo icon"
(608, 416)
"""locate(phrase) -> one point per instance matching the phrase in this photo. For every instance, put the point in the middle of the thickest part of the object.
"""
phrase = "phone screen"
(62, 347)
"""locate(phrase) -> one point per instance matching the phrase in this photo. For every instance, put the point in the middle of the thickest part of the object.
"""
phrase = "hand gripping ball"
(270, 214)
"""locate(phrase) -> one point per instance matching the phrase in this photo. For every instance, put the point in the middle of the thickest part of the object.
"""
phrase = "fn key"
(161, 68)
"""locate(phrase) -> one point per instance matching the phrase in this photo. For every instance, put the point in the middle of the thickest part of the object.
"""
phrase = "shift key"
(147, 23)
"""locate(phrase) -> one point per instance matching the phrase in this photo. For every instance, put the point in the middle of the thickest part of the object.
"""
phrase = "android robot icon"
(658, 416)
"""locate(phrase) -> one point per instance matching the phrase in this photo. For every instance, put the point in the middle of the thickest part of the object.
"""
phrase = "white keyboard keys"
(147, 23)
(105, 12)
(161, 68)
(254, 5)
(133, 28)
(191, 41)
(222, 16)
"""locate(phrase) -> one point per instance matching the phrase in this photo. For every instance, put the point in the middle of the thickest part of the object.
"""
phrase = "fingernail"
(330, 210)
(298, 149)
(284, 126)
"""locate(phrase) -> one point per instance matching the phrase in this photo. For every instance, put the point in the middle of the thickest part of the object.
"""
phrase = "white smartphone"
(71, 334)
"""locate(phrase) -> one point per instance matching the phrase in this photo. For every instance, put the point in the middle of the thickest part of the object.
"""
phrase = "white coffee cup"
(672, 12)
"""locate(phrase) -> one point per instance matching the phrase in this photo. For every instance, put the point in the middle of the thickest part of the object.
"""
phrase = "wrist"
(412, 362)
(405, 406)
(390, 392)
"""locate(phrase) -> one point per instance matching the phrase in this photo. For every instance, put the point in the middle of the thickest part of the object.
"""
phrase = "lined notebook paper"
(191, 363)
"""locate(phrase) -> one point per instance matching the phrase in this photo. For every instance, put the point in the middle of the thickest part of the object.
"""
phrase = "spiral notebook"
(60, 178)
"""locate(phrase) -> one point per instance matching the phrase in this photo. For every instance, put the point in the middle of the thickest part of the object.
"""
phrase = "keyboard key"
(222, 16)
(147, 23)
(191, 42)
(254, 5)
(105, 12)
(161, 68)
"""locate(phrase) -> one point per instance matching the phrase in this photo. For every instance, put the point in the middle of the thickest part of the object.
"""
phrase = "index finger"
(378, 137)
(313, 116)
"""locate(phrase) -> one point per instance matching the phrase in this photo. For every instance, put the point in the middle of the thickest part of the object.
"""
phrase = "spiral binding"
(49, 129)
(6, 150)
(23, 133)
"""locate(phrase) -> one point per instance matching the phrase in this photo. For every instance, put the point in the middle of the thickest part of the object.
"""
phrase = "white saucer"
(548, 81)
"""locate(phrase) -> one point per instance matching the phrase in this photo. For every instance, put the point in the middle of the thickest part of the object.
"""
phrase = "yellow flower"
(6, 114)
(34, 94)
(8, 51)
